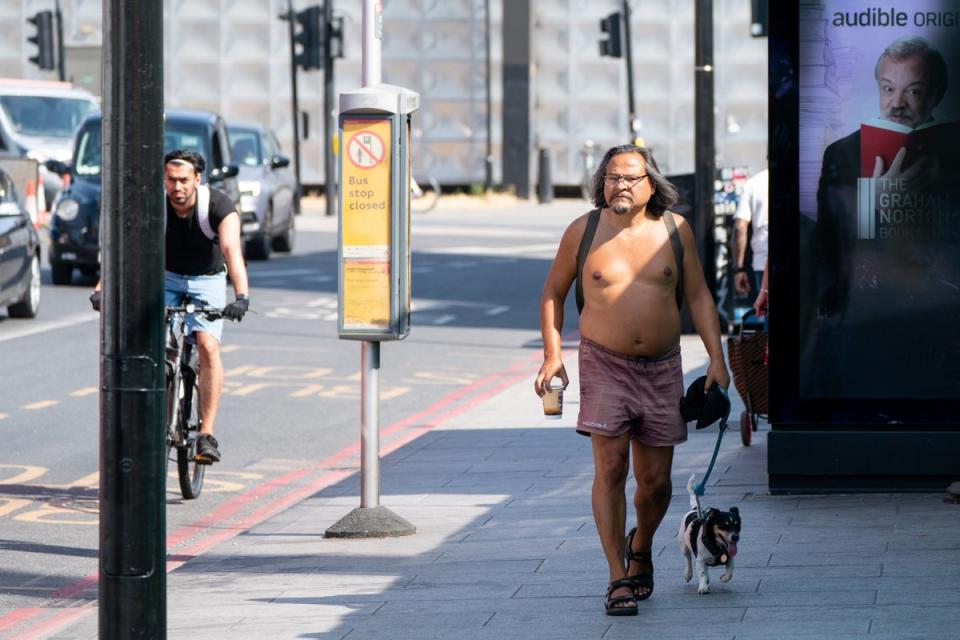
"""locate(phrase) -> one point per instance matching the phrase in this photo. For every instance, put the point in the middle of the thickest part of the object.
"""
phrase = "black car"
(75, 224)
(19, 255)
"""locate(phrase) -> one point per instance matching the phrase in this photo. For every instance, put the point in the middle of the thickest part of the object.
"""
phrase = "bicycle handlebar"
(211, 313)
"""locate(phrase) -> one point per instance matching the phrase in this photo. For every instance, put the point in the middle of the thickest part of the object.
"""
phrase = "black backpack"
(587, 240)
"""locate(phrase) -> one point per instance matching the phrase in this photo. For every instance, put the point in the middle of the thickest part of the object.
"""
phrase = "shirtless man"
(631, 379)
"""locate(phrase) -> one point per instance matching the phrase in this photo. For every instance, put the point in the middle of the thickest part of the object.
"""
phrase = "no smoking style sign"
(365, 149)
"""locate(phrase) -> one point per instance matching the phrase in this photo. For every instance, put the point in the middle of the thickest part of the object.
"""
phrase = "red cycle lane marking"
(225, 511)
(55, 622)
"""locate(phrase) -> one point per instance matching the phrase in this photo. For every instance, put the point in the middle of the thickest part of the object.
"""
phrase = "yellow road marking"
(288, 372)
(86, 391)
(27, 474)
(3, 415)
(43, 404)
(51, 515)
(230, 348)
(12, 504)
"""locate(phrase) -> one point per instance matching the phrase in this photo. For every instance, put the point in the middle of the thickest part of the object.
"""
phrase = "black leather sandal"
(620, 605)
(641, 580)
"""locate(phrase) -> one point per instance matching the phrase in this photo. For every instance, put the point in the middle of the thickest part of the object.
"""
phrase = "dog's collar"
(699, 529)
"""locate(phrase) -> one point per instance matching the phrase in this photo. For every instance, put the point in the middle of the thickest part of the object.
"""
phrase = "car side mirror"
(57, 167)
(224, 172)
(280, 161)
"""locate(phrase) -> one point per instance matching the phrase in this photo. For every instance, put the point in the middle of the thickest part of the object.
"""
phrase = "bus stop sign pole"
(374, 301)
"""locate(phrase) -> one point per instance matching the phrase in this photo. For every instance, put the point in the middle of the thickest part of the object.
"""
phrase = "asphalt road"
(291, 405)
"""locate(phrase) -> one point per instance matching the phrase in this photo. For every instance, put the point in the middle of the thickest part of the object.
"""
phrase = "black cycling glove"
(95, 299)
(236, 309)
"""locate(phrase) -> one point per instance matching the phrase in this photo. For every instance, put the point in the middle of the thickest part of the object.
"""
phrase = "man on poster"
(884, 236)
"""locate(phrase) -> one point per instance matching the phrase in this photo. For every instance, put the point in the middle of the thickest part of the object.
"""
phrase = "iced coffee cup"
(553, 398)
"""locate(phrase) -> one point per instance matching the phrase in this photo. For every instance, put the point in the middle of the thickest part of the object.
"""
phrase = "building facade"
(233, 56)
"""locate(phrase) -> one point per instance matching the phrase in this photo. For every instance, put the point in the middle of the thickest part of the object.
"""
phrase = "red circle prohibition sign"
(366, 149)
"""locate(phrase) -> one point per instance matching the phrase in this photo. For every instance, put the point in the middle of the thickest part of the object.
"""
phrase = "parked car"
(75, 224)
(269, 194)
(19, 255)
(38, 119)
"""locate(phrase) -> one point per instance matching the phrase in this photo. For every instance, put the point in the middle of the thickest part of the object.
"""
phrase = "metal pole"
(632, 125)
(370, 350)
(372, 34)
(61, 66)
(370, 424)
(132, 568)
(291, 20)
(328, 165)
(488, 163)
(704, 149)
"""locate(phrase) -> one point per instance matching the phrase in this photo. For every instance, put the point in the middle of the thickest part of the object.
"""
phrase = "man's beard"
(900, 114)
(620, 209)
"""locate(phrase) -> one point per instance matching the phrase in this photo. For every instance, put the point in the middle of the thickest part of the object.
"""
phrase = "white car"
(38, 119)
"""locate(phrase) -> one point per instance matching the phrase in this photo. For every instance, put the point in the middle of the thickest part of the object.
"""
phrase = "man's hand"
(552, 367)
(741, 282)
(95, 299)
(895, 179)
(235, 310)
(717, 372)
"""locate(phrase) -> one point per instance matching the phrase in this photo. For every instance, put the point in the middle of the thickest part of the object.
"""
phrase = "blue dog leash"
(700, 488)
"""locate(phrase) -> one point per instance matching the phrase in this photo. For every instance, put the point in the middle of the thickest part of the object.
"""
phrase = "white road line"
(513, 250)
(445, 319)
(35, 327)
(43, 404)
(497, 310)
(483, 232)
(273, 273)
(4, 416)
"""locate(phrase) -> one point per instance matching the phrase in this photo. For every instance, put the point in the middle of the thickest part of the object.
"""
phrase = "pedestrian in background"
(751, 212)
(640, 264)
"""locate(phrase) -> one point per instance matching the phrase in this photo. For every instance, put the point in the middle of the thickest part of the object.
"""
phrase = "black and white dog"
(710, 540)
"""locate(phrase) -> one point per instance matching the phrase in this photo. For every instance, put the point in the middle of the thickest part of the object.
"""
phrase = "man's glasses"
(612, 180)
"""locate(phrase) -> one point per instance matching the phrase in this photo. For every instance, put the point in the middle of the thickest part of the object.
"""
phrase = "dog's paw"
(687, 575)
(704, 589)
(726, 577)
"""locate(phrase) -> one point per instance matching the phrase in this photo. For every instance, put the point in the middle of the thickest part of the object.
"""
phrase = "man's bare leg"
(611, 464)
(651, 468)
(211, 379)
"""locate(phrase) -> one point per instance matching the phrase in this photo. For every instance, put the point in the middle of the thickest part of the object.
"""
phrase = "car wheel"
(61, 273)
(30, 302)
(284, 242)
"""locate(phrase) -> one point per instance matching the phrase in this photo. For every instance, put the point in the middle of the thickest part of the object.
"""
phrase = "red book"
(885, 138)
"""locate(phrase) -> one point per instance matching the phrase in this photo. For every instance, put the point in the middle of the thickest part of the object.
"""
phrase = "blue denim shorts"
(209, 290)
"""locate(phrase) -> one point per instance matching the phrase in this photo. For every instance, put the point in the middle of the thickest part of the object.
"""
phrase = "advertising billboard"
(878, 263)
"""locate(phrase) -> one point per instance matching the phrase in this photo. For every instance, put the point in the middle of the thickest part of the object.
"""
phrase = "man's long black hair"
(664, 196)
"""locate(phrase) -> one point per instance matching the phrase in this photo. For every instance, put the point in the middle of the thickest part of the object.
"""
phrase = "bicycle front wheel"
(189, 471)
(426, 196)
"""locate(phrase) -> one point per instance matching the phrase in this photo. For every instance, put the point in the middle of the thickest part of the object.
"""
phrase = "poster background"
(892, 335)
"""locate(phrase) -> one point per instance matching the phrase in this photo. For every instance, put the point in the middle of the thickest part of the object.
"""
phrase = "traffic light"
(43, 20)
(309, 38)
(336, 37)
(611, 45)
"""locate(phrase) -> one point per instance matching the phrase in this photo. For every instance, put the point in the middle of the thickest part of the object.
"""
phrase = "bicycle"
(588, 160)
(183, 396)
(424, 198)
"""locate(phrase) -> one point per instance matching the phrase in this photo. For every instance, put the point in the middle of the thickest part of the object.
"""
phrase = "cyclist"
(196, 267)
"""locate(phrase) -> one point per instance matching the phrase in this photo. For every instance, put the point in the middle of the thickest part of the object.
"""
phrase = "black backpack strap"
(589, 231)
(677, 253)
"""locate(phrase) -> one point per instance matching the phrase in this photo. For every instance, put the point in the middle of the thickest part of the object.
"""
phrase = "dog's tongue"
(731, 549)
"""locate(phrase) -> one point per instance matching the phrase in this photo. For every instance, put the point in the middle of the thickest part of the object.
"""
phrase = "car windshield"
(88, 151)
(176, 136)
(190, 137)
(245, 147)
(45, 115)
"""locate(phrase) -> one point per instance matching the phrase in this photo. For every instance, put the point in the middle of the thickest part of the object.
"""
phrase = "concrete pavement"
(506, 547)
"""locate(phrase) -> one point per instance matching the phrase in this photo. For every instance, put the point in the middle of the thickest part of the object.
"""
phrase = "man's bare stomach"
(642, 326)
